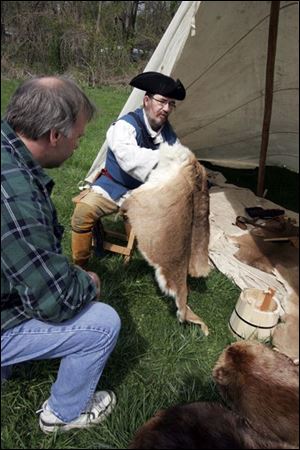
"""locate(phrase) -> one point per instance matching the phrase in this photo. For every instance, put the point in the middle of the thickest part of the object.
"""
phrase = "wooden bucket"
(249, 320)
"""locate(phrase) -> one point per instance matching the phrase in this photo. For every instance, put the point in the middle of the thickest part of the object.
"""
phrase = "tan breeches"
(90, 207)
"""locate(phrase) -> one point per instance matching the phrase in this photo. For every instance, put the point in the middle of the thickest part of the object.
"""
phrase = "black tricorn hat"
(158, 83)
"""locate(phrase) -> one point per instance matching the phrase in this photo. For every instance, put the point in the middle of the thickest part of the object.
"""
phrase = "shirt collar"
(24, 155)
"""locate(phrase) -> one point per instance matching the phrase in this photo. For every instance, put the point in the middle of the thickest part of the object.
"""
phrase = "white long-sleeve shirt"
(135, 160)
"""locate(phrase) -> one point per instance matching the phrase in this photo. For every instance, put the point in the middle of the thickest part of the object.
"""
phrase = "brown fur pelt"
(285, 338)
(267, 256)
(262, 386)
(169, 215)
(199, 425)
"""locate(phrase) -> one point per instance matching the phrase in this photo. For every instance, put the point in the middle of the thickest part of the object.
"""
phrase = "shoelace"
(99, 406)
(90, 415)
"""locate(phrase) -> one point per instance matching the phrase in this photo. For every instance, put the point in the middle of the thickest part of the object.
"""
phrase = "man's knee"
(98, 314)
(115, 323)
(84, 217)
(103, 318)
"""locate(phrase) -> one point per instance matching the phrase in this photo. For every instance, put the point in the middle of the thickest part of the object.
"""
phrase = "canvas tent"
(219, 51)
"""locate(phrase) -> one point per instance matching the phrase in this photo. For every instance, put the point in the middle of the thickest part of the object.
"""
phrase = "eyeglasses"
(163, 103)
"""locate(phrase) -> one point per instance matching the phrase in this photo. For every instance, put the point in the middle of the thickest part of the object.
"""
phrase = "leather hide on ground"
(169, 215)
(268, 256)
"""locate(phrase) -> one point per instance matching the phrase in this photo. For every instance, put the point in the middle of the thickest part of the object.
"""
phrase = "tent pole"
(273, 28)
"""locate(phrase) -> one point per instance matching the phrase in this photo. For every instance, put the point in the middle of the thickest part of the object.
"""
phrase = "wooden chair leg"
(130, 246)
(129, 237)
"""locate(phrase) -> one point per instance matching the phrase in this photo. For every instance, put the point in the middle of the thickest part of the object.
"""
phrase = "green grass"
(157, 362)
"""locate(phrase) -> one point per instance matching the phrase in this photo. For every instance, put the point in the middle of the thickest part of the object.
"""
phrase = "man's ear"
(146, 100)
(54, 137)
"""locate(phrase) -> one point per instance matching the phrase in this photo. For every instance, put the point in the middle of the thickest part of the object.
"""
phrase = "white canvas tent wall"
(219, 51)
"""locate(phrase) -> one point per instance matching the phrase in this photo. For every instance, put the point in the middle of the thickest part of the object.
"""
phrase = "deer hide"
(268, 256)
(286, 334)
(169, 215)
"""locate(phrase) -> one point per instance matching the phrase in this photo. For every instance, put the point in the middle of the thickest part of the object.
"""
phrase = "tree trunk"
(98, 17)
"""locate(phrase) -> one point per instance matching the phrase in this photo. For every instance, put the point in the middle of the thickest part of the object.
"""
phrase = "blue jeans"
(83, 343)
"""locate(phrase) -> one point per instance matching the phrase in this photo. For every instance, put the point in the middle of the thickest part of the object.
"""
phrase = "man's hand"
(96, 280)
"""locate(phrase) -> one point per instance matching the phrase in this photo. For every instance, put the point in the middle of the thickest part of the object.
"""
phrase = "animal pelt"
(169, 215)
(285, 338)
(268, 256)
(262, 386)
(200, 425)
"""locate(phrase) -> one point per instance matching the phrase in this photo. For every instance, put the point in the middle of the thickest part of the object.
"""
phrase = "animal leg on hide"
(190, 316)
(181, 300)
(199, 260)
(184, 312)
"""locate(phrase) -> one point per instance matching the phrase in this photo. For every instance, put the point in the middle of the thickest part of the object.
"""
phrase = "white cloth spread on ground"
(228, 201)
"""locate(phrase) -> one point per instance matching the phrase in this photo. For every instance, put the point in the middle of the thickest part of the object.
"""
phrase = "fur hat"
(157, 83)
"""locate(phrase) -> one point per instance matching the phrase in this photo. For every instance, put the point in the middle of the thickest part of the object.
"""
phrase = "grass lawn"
(157, 361)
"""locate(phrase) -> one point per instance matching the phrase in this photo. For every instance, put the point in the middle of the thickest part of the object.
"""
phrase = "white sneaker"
(101, 406)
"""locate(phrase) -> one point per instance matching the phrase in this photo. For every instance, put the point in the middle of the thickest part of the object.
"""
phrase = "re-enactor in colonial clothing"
(132, 143)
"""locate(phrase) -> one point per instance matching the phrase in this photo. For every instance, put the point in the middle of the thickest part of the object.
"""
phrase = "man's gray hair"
(44, 103)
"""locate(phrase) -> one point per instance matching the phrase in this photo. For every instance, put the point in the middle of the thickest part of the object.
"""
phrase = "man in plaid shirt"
(48, 306)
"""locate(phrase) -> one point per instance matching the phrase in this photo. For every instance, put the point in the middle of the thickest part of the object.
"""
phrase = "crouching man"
(49, 306)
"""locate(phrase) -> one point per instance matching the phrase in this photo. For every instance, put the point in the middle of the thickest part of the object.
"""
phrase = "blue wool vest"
(113, 179)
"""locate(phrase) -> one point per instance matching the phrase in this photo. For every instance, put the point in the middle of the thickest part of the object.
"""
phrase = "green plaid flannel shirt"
(37, 281)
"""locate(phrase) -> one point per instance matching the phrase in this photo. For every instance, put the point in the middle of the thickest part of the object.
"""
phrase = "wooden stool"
(129, 237)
